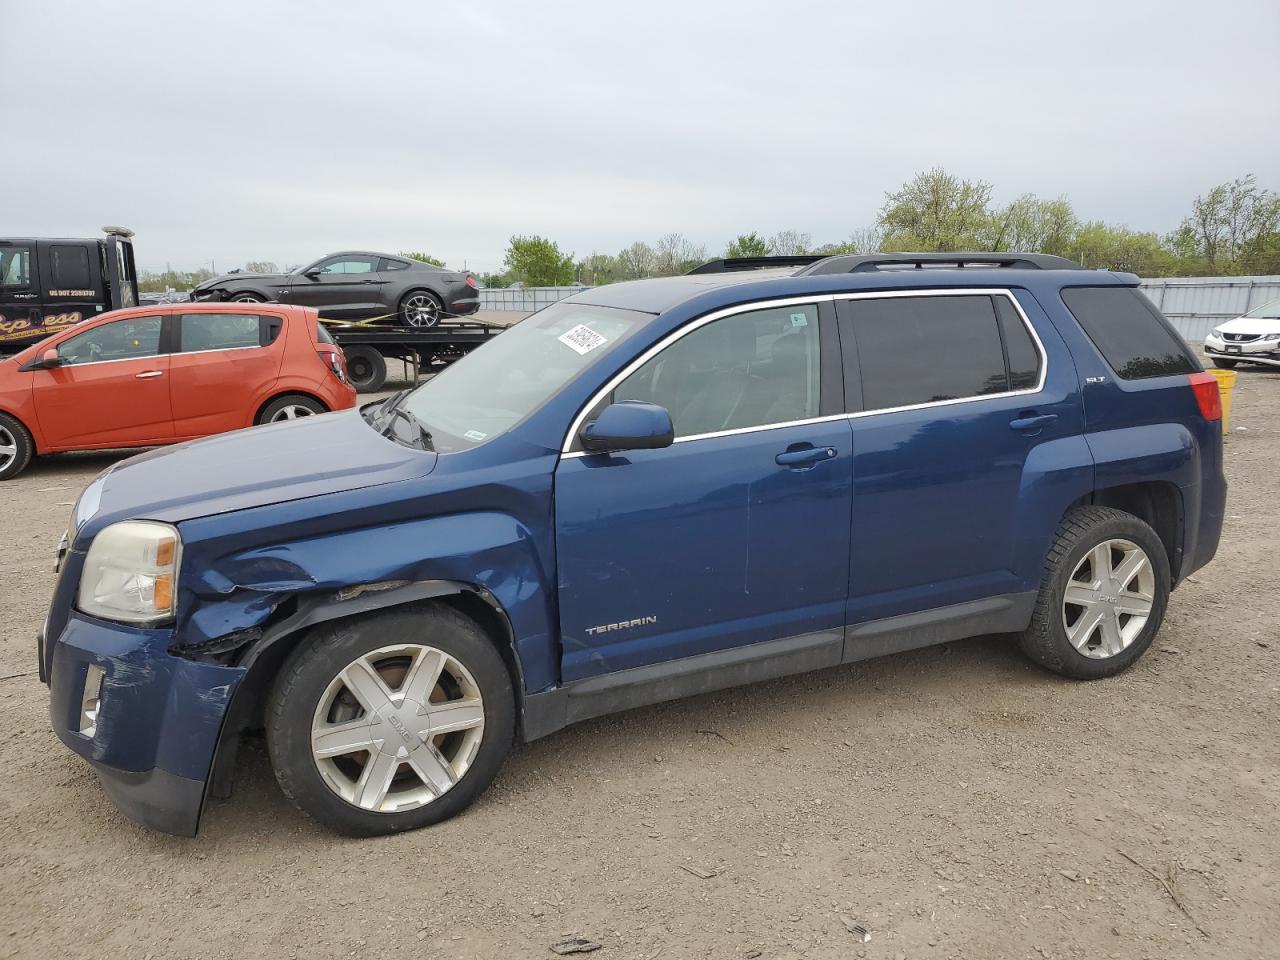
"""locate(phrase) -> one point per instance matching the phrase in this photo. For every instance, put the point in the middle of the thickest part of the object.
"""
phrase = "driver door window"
(748, 370)
(345, 265)
(129, 339)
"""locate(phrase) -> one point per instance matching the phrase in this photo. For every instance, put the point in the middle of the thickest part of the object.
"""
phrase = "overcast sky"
(229, 131)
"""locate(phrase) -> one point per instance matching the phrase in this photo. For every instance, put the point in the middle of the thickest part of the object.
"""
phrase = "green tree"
(1229, 219)
(1100, 246)
(1032, 225)
(675, 254)
(636, 262)
(537, 262)
(936, 211)
(747, 245)
(790, 243)
(597, 269)
(421, 257)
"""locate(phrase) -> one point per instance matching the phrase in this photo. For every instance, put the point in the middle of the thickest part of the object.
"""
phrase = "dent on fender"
(243, 592)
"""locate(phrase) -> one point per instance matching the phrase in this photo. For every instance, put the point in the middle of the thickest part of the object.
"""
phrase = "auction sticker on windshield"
(582, 339)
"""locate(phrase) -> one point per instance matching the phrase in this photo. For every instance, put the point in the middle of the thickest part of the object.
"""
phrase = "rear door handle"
(1033, 421)
(147, 375)
(804, 457)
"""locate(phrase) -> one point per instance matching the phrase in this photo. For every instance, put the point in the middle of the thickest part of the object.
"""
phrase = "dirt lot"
(956, 801)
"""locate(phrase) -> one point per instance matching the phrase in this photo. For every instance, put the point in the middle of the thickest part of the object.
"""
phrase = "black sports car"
(357, 285)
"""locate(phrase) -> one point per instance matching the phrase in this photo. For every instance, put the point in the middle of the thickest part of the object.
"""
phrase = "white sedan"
(1253, 338)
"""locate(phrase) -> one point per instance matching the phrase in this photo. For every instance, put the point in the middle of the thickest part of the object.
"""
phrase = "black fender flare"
(266, 651)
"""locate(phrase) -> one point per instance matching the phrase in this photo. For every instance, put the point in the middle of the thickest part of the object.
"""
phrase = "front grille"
(1241, 337)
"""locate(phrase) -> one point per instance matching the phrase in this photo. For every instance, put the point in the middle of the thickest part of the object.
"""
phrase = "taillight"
(1205, 387)
(334, 361)
(471, 282)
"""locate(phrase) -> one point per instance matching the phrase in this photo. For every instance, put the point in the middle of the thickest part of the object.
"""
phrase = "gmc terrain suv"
(648, 490)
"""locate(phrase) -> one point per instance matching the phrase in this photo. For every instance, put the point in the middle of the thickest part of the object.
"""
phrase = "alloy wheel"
(1108, 598)
(8, 448)
(397, 728)
(291, 411)
(421, 310)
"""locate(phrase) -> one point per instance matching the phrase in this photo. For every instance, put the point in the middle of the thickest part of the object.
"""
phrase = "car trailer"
(367, 347)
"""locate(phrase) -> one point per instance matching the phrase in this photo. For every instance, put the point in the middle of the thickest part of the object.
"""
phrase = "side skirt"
(549, 711)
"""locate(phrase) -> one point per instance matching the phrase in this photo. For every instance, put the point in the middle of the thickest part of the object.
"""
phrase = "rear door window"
(1129, 332)
(929, 349)
(219, 331)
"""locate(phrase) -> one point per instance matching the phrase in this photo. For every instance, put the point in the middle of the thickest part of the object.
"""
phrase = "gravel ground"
(955, 801)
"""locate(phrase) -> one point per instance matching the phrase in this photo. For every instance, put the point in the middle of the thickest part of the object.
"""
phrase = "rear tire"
(366, 367)
(16, 447)
(1225, 364)
(1061, 636)
(419, 309)
(290, 407)
(338, 784)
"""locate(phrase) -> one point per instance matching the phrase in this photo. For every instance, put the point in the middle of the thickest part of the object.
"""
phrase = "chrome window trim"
(976, 291)
(192, 353)
(99, 363)
(567, 453)
(576, 424)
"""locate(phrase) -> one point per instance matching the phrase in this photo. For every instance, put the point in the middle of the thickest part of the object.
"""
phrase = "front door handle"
(804, 457)
(148, 374)
(1032, 421)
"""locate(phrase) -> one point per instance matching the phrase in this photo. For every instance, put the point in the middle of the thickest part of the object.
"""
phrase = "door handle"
(148, 374)
(1032, 421)
(804, 457)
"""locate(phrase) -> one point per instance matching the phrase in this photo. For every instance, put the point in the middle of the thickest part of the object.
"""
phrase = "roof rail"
(735, 264)
(870, 262)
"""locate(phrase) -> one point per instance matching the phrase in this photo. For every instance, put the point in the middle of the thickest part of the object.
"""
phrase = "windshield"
(490, 390)
(1268, 311)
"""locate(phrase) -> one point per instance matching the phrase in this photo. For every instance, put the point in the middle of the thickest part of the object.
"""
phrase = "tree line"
(1232, 229)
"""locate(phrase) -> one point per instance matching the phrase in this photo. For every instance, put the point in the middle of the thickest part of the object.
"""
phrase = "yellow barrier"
(1226, 383)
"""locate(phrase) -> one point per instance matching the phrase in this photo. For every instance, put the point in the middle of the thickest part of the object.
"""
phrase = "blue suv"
(646, 491)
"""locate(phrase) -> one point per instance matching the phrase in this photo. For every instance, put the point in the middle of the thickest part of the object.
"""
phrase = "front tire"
(1225, 364)
(16, 447)
(390, 722)
(246, 298)
(1102, 597)
(290, 407)
(420, 309)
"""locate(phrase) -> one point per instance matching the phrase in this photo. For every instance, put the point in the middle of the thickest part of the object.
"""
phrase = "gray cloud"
(236, 130)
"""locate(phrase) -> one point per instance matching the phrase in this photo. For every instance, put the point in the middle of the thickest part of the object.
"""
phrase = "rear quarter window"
(1129, 332)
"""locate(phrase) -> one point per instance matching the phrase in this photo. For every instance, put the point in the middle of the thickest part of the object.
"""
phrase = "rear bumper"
(158, 721)
(466, 303)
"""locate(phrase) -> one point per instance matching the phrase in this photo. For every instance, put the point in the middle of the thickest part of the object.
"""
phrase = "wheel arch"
(266, 650)
(1157, 503)
(277, 393)
(31, 434)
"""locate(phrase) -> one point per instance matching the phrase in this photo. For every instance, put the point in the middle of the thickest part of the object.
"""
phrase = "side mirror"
(312, 274)
(629, 425)
(46, 360)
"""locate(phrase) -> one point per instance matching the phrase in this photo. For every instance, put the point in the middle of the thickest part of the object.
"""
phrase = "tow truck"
(367, 347)
(47, 285)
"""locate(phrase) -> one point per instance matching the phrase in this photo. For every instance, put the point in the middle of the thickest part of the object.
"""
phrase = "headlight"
(131, 572)
(1217, 332)
(1272, 336)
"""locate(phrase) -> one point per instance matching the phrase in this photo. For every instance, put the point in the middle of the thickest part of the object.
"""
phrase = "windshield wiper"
(421, 433)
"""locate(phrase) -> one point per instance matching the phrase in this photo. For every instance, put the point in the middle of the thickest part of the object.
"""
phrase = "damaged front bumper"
(152, 733)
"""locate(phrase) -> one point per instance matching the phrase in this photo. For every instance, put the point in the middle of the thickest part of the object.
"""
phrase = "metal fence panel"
(1195, 305)
(524, 299)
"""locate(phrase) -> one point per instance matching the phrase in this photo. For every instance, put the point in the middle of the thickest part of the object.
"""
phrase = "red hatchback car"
(157, 375)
